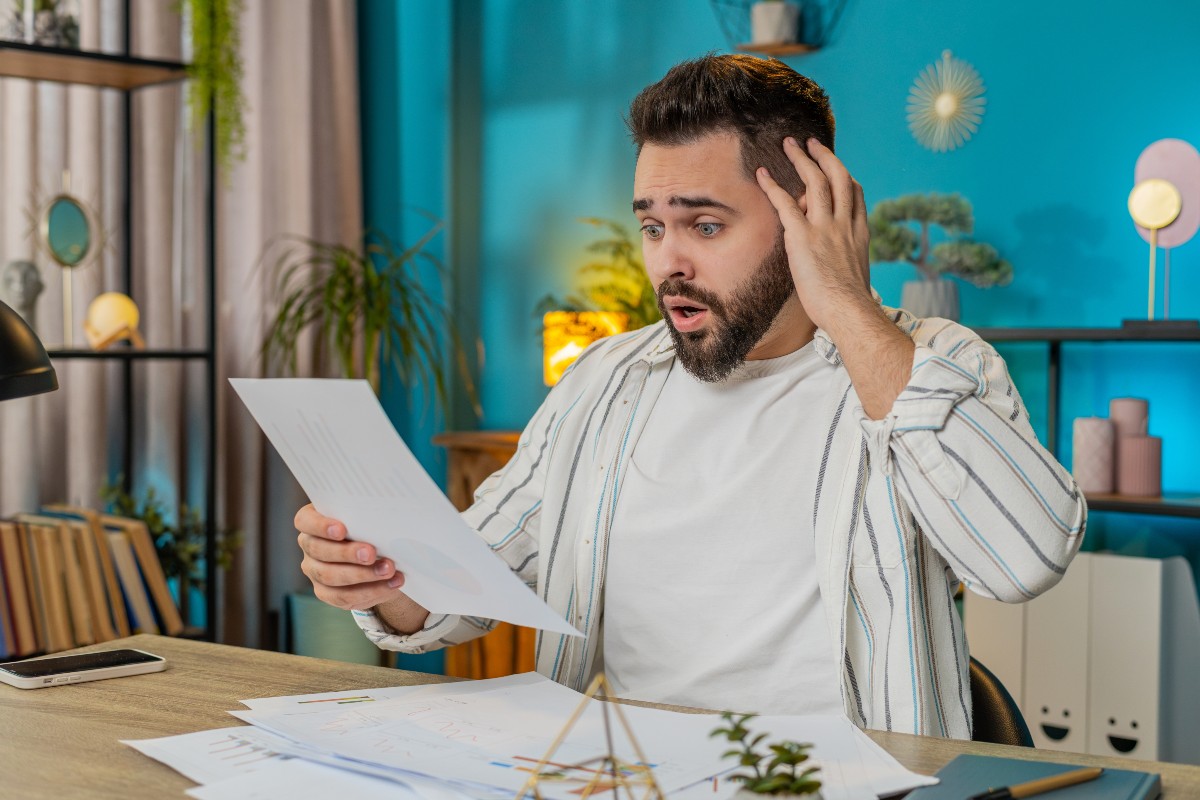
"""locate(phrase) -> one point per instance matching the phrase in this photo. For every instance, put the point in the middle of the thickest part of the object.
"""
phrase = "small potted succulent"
(779, 771)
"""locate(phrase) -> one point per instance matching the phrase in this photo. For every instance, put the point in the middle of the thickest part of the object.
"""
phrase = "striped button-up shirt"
(952, 485)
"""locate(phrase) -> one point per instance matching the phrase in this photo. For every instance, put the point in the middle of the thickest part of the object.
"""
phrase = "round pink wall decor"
(1176, 161)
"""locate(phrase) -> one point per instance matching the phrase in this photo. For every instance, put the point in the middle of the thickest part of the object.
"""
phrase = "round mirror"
(67, 232)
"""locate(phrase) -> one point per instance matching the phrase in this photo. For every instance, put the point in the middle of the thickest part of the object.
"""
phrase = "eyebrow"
(684, 202)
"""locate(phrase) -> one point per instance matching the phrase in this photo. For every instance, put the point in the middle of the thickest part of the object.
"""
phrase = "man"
(766, 502)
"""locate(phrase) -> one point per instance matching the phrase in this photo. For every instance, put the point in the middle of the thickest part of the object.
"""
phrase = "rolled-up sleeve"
(957, 449)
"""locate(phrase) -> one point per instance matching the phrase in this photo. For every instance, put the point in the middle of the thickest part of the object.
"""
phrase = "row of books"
(72, 576)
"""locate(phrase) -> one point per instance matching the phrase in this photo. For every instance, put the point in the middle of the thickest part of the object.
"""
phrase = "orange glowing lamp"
(565, 334)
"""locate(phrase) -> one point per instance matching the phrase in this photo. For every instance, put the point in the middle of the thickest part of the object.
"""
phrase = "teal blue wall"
(1075, 90)
(403, 66)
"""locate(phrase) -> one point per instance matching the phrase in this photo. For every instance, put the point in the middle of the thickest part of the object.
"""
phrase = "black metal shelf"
(1169, 505)
(60, 65)
(127, 73)
(1166, 333)
(131, 355)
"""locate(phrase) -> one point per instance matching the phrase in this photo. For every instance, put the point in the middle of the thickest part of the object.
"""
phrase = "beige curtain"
(301, 176)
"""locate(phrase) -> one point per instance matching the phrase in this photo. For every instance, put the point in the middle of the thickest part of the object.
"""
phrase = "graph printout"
(343, 450)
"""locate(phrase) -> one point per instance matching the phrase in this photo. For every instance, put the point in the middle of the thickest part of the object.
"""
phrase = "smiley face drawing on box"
(1123, 736)
(1056, 725)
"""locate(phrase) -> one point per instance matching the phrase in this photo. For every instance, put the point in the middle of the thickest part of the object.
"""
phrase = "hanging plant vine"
(216, 76)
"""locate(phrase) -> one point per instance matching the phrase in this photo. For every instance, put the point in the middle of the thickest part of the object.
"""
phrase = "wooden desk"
(63, 741)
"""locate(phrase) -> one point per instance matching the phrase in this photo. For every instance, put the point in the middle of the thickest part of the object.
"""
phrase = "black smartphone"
(37, 673)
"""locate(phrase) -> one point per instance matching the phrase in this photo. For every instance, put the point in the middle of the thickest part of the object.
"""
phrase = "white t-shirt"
(711, 592)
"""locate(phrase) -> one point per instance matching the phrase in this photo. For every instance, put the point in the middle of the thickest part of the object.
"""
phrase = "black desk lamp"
(25, 368)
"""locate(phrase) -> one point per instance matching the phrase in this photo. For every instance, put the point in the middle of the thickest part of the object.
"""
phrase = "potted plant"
(894, 238)
(370, 306)
(215, 74)
(778, 771)
(180, 543)
(616, 281)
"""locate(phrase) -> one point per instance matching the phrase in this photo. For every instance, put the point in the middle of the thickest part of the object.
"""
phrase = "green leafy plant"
(779, 770)
(216, 76)
(615, 281)
(369, 306)
(180, 542)
(900, 231)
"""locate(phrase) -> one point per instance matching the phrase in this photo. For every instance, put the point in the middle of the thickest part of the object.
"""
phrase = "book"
(117, 616)
(52, 584)
(152, 571)
(8, 642)
(969, 775)
(141, 616)
(16, 592)
(93, 578)
(37, 606)
(66, 562)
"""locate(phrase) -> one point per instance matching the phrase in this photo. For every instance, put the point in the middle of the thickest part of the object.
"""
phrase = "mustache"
(685, 289)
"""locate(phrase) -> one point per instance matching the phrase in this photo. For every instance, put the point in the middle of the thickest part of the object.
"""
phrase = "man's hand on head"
(828, 240)
(825, 232)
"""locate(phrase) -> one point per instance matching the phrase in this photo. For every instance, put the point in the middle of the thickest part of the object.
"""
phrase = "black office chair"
(997, 718)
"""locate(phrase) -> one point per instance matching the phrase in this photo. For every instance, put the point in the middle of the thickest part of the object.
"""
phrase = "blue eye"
(709, 228)
(652, 231)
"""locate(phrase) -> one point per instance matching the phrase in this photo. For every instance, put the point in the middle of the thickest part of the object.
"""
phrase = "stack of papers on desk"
(480, 740)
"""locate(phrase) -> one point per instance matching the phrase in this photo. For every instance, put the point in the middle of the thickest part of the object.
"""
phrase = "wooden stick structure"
(603, 773)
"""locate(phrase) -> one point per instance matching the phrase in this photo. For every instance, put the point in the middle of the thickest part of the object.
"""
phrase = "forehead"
(709, 165)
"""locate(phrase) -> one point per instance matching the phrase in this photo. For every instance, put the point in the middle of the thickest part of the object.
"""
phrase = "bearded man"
(767, 501)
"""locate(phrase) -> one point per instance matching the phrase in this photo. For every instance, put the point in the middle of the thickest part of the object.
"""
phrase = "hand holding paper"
(339, 444)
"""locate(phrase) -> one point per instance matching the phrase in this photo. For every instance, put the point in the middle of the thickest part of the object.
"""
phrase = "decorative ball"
(110, 316)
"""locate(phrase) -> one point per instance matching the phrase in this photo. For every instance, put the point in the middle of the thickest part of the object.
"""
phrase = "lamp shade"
(25, 368)
(565, 334)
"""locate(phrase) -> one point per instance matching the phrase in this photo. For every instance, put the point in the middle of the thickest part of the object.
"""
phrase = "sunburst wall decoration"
(946, 104)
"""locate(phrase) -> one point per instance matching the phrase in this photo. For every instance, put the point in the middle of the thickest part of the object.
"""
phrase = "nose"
(668, 259)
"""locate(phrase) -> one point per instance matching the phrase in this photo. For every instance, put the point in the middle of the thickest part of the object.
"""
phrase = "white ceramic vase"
(774, 22)
(937, 298)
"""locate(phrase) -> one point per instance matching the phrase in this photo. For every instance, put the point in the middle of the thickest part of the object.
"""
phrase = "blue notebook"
(969, 775)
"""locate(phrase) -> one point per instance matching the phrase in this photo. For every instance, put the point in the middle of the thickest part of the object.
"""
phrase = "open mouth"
(1122, 745)
(1055, 732)
(685, 314)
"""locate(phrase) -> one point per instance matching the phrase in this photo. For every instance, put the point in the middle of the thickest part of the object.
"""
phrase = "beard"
(738, 322)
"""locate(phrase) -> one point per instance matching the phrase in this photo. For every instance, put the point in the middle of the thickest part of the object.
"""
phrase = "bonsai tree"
(615, 281)
(778, 771)
(895, 238)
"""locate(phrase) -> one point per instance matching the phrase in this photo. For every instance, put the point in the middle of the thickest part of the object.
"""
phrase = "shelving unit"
(127, 74)
(1174, 505)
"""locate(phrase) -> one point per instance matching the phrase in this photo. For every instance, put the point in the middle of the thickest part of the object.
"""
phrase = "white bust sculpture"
(22, 283)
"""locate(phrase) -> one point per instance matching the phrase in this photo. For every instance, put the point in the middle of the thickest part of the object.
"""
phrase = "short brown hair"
(759, 100)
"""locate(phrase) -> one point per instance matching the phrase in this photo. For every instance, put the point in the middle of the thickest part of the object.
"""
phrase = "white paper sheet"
(343, 450)
(207, 756)
(494, 737)
(300, 780)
